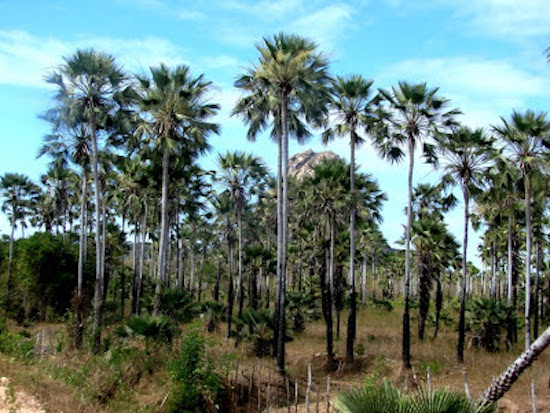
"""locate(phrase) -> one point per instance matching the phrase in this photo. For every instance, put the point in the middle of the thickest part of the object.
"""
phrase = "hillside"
(301, 164)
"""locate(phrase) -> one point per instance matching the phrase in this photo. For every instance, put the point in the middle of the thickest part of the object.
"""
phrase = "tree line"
(125, 152)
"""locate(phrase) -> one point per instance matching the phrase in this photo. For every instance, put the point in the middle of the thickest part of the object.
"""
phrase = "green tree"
(91, 84)
(429, 236)
(417, 113)
(290, 79)
(352, 104)
(466, 154)
(525, 138)
(241, 176)
(18, 193)
(175, 120)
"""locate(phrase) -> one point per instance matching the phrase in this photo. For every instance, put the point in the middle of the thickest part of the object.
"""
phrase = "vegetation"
(265, 256)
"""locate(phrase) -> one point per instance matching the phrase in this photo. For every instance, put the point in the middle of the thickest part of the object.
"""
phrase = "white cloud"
(222, 62)
(266, 9)
(507, 18)
(191, 15)
(325, 25)
(25, 59)
(483, 89)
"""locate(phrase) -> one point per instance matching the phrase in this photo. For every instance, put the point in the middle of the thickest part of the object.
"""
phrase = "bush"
(159, 329)
(178, 305)
(388, 399)
(197, 385)
(19, 346)
(302, 307)
(487, 321)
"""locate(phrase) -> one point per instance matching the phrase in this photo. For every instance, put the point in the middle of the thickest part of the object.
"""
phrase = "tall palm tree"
(176, 114)
(417, 113)
(241, 176)
(502, 201)
(352, 105)
(466, 155)
(18, 193)
(91, 84)
(290, 81)
(526, 137)
(223, 205)
(430, 202)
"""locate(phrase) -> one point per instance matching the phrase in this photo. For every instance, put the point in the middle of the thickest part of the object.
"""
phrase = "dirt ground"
(12, 400)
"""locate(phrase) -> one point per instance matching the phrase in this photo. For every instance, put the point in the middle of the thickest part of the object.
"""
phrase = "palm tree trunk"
(230, 293)
(240, 229)
(10, 264)
(511, 325)
(191, 269)
(352, 318)
(438, 303)
(284, 239)
(300, 265)
(364, 281)
(493, 269)
(218, 278)
(135, 260)
(278, 275)
(528, 235)
(82, 241)
(142, 260)
(82, 235)
(104, 276)
(462, 319)
(406, 344)
(98, 294)
(536, 295)
(505, 381)
(123, 271)
(326, 298)
(163, 241)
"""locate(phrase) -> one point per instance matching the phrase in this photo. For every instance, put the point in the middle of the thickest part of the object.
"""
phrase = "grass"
(69, 380)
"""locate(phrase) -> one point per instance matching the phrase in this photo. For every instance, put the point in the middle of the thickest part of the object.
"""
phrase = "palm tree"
(325, 192)
(352, 104)
(417, 113)
(18, 193)
(91, 84)
(502, 201)
(175, 119)
(223, 205)
(429, 234)
(526, 137)
(241, 175)
(467, 154)
(290, 81)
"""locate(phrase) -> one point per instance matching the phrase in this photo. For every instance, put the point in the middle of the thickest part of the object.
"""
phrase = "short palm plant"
(212, 312)
(157, 329)
(487, 318)
(302, 307)
(386, 398)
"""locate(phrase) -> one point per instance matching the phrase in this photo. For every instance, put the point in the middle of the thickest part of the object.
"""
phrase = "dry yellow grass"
(379, 332)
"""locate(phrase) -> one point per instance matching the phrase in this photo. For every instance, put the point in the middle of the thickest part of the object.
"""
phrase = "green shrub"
(386, 398)
(212, 311)
(178, 305)
(197, 386)
(159, 329)
(487, 319)
(381, 304)
(302, 307)
(16, 345)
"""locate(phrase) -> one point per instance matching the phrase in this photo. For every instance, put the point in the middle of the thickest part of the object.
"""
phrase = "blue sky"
(484, 55)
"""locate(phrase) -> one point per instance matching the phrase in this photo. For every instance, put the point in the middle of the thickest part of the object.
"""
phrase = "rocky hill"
(301, 165)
